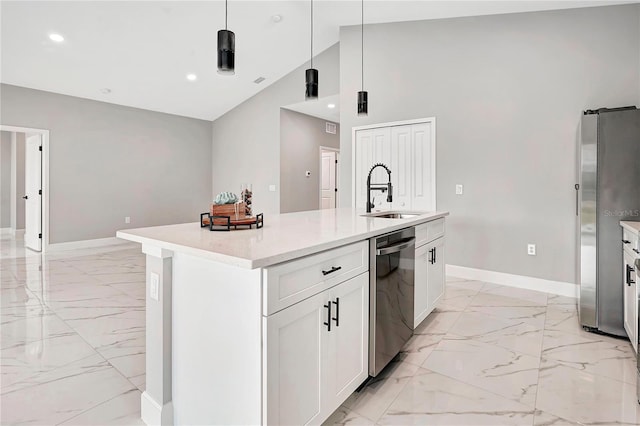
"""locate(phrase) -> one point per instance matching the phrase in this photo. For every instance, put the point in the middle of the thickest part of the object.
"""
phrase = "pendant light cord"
(311, 33)
(362, 46)
(226, 12)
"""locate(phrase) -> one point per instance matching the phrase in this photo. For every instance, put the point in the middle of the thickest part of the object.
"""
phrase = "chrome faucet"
(378, 186)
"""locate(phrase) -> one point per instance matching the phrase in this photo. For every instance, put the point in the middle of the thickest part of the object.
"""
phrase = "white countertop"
(631, 226)
(283, 237)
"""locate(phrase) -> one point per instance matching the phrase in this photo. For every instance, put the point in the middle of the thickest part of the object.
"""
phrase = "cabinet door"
(435, 273)
(348, 349)
(371, 146)
(296, 339)
(420, 301)
(630, 300)
(424, 169)
(401, 166)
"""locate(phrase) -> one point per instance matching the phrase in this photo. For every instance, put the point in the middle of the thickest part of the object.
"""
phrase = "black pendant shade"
(226, 52)
(363, 103)
(311, 84)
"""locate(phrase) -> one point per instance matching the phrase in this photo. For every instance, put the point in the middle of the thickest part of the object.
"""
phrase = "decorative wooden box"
(234, 211)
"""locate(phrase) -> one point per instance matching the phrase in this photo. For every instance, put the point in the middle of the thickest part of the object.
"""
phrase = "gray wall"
(301, 137)
(246, 140)
(5, 179)
(109, 161)
(21, 145)
(507, 92)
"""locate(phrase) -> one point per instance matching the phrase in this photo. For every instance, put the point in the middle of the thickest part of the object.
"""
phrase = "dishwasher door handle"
(396, 247)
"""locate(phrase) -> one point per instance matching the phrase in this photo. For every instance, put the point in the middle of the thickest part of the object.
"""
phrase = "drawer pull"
(337, 317)
(626, 241)
(432, 258)
(636, 250)
(332, 270)
(328, 323)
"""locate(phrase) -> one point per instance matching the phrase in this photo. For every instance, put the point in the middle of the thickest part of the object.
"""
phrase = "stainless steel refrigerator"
(607, 192)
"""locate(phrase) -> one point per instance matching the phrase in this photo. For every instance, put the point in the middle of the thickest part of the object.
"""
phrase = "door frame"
(337, 151)
(44, 207)
(431, 120)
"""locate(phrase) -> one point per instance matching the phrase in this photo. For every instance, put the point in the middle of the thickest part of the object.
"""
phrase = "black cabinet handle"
(332, 270)
(626, 241)
(636, 250)
(577, 186)
(26, 197)
(337, 317)
(432, 257)
(435, 254)
(328, 323)
(630, 270)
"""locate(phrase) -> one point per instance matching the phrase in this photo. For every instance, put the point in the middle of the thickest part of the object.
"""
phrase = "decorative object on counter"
(225, 198)
(226, 48)
(311, 74)
(246, 194)
(363, 96)
(225, 222)
(235, 210)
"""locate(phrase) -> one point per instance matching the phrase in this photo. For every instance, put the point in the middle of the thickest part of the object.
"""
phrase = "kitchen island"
(236, 326)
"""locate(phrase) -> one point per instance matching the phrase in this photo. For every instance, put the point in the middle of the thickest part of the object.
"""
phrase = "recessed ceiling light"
(56, 37)
(105, 90)
(192, 77)
(332, 106)
(276, 18)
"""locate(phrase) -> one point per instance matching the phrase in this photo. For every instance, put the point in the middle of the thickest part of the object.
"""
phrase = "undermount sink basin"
(392, 215)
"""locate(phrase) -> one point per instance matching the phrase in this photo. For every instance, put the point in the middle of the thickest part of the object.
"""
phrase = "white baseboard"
(6, 231)
(98, 242)
(520, 281)
(153, 413)
(18, 233)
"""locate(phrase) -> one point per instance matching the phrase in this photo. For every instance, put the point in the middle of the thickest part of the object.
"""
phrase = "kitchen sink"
(392, 215)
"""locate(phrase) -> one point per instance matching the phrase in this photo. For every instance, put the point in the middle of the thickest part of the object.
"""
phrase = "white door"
(401, 166)
(420, 301)
(296, 355)
(424, 168)
(328, 190)
(435, 273)
(372, 146)
(33, 196)
(348, 352)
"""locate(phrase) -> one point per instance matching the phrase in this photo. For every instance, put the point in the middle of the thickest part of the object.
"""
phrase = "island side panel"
(217, 342)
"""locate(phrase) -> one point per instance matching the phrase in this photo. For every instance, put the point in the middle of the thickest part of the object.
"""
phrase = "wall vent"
(331, 128)
(259, 80)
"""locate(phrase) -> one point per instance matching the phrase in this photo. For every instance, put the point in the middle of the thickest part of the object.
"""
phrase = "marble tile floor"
(72, 353)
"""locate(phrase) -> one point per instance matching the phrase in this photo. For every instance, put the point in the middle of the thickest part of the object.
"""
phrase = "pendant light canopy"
(226, 48)
(311, 74)
(363, 96)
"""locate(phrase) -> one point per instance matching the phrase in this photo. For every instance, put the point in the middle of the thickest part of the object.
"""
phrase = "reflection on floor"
(72, 352)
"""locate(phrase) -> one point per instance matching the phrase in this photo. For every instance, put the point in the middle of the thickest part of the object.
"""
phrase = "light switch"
(458, 189)
(272, 188)
(154, 287)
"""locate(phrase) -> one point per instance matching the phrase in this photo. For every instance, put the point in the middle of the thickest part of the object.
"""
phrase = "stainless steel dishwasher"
(391, 269)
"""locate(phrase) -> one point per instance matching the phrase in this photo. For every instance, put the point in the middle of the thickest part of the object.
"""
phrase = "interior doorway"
(29, 186)
(329, 158)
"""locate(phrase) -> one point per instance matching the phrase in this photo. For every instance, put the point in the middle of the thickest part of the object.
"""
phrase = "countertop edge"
(279, 258)
(631, 225)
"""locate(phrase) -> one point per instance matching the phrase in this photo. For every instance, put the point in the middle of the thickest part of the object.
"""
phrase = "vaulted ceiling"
(141, 51)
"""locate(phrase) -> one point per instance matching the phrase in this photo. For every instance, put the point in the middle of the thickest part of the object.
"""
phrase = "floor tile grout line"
(95, 406)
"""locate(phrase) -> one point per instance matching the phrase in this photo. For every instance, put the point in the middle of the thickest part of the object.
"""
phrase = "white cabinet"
(429, 270)
(316, 353)
(409, 151)
(630, 299)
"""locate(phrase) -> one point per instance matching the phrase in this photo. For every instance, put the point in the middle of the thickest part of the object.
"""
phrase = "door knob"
(25, 197)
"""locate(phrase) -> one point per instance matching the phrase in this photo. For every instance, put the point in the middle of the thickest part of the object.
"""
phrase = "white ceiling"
(319, 108)
(143, 50)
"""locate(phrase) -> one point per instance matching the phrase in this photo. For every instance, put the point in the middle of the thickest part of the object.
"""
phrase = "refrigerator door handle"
(577, 186)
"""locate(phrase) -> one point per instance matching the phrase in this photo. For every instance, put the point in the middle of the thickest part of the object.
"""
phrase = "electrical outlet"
(154, 287)
(459, 189)
(531, 249)
(127, 219)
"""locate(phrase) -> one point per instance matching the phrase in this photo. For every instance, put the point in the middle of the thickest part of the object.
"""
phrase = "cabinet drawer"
(633, 245)
(429, 231)
(290, 282)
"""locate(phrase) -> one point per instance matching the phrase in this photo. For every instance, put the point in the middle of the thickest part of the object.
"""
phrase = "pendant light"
(363, 97)
(226, 48)
(311, 75)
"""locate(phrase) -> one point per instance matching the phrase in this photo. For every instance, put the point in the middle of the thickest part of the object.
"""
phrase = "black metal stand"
(259, 223)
